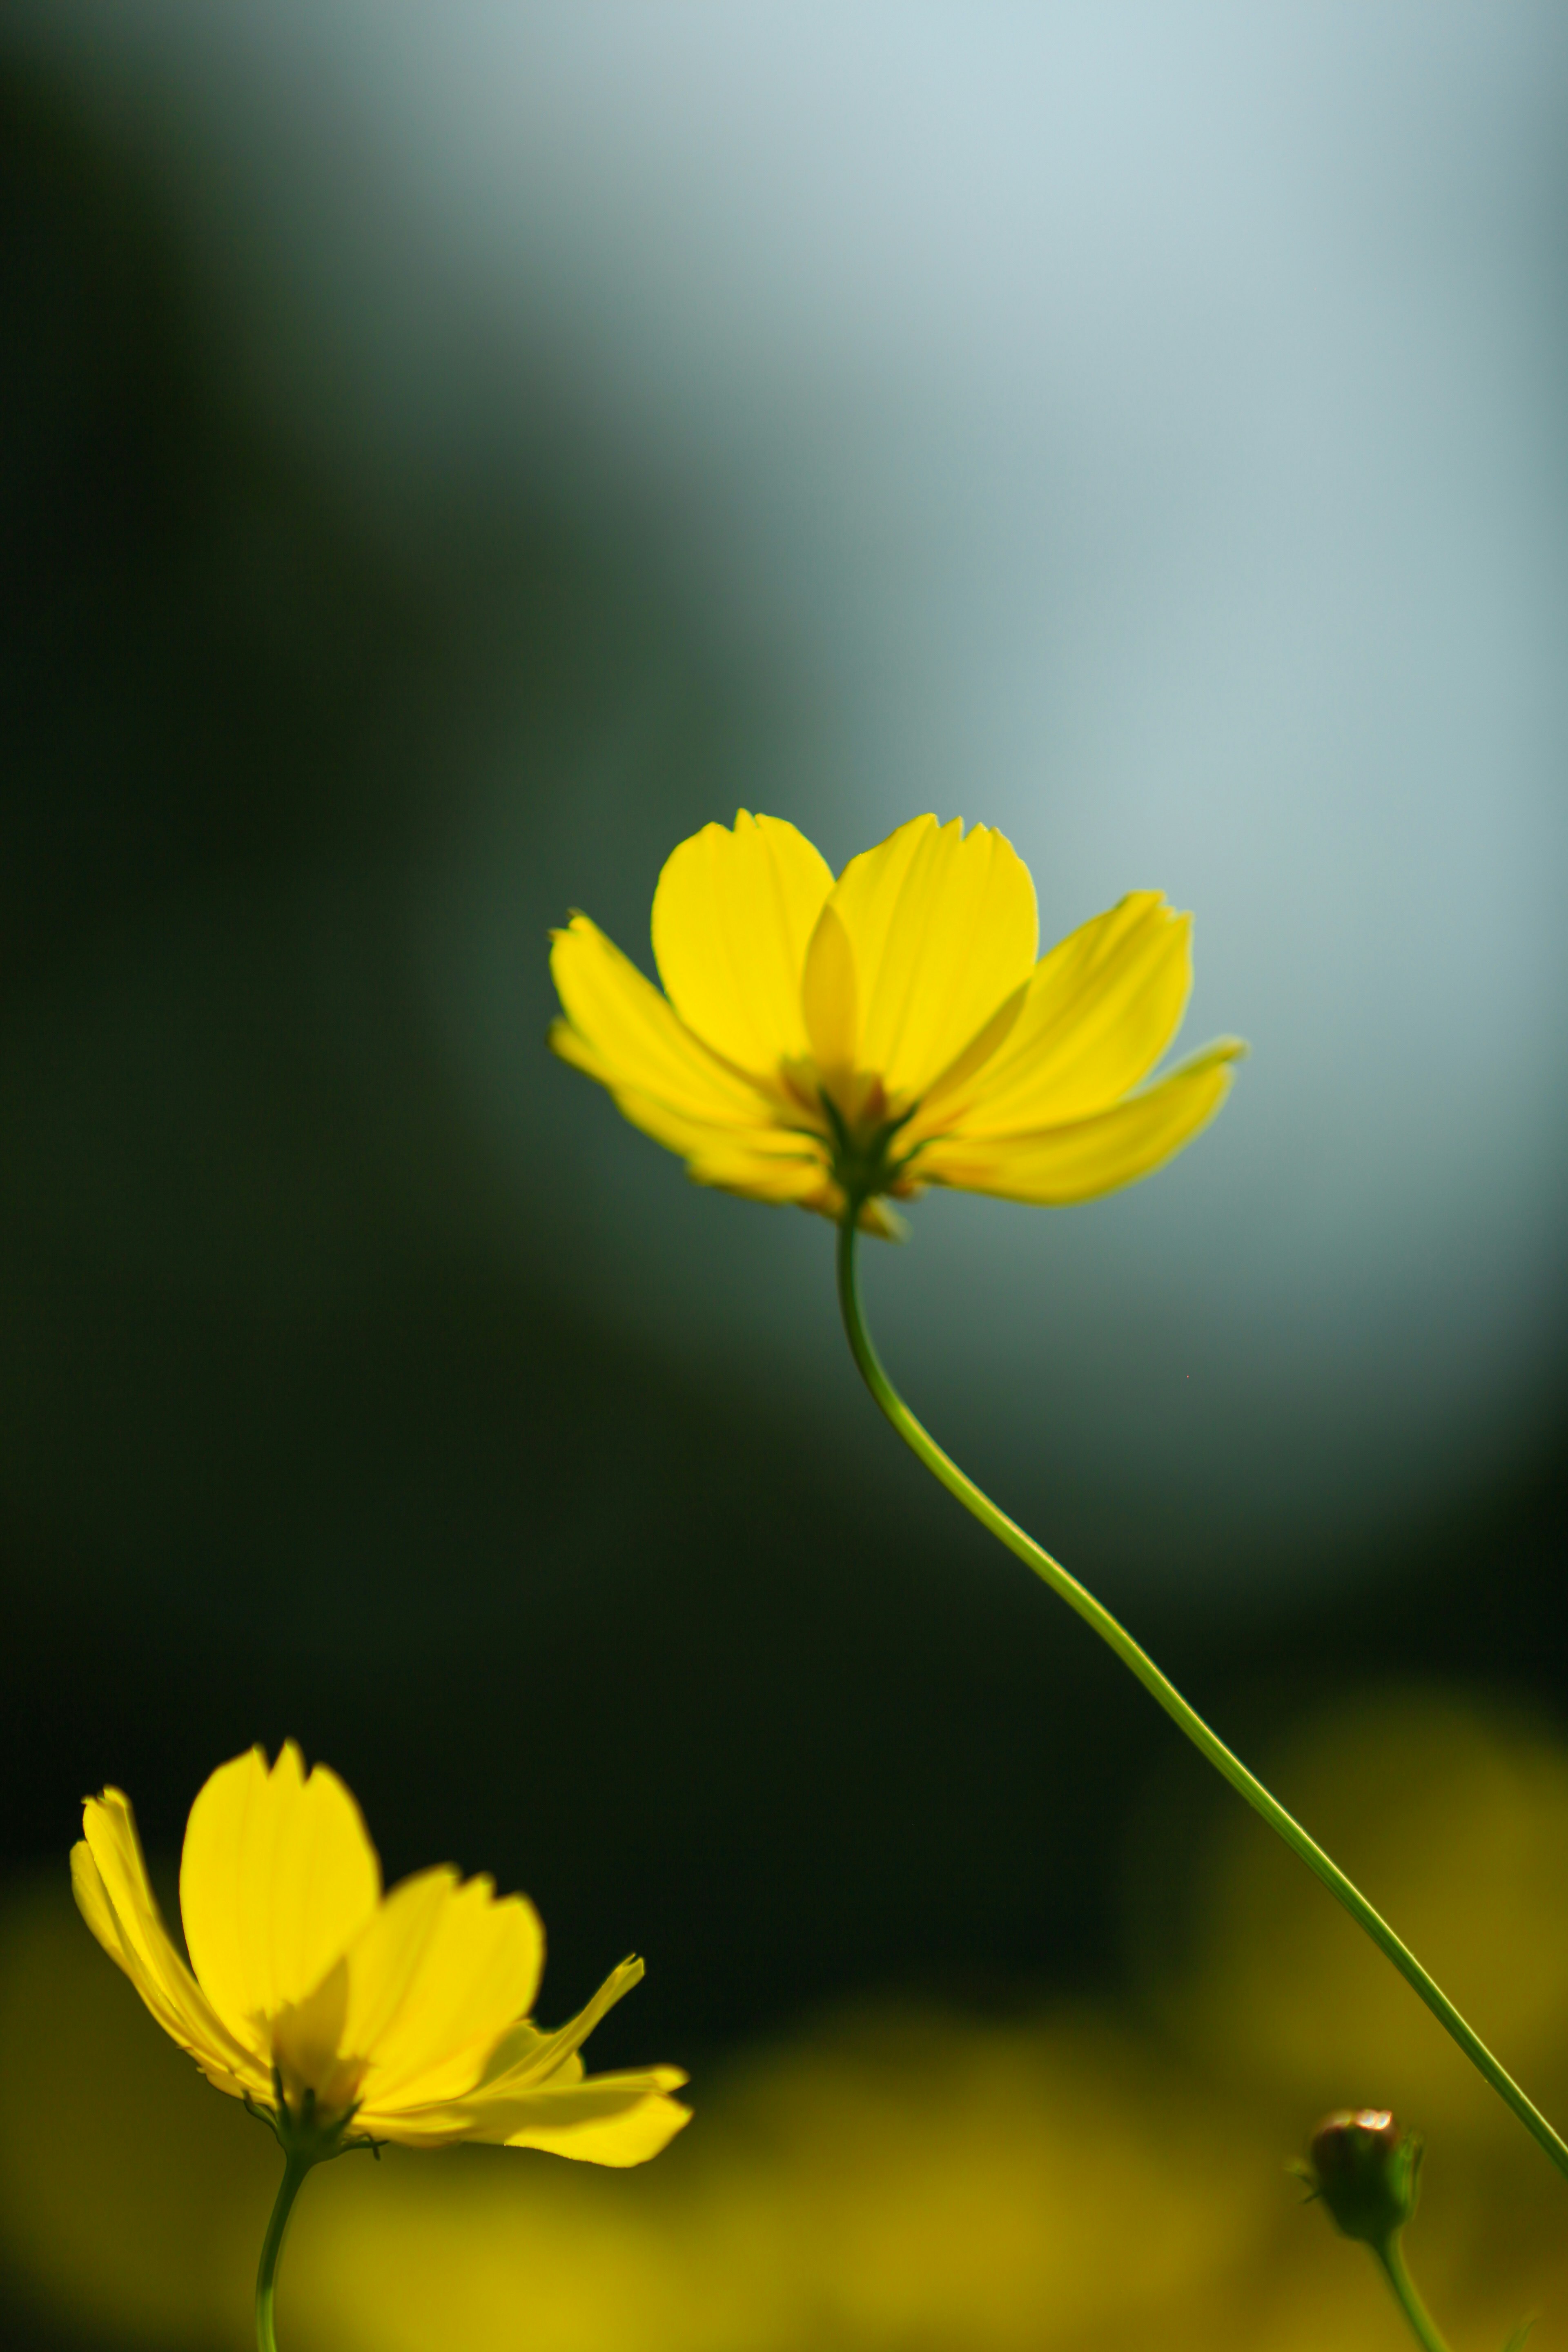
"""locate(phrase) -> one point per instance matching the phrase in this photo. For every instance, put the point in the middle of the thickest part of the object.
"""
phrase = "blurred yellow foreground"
(899, 2179)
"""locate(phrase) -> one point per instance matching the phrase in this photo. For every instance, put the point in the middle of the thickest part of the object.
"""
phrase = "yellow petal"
(308, 2042)
(950, 1094)
(621, 1031)
(277, 1878)
(1097, 1013)
(758, 1176)
(92, 1897)
(830, 999)
(621, 2136)
(525, 2057)
(731, 917)
(108, 1878)
(618, 2119)
(944, 929)
(769, 1162)
(1086, 1157)
(474, 1973)
(387, 1956)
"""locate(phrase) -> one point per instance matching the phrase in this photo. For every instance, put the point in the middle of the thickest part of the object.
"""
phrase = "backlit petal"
(830, 999)
(616, 2119)
(387, 1956)
(277, 1878)
(108, 1878)
(757, 1177)
(769, 1162)
(474, 1973)
(623, 1032)
(1084, 1157)
(943, 927)
(307, 2044)
(603, 2125)
(731, 917)
(525, 2057)
(1097, 1013)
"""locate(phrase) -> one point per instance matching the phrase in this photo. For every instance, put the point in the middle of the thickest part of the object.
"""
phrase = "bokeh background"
(450, 454)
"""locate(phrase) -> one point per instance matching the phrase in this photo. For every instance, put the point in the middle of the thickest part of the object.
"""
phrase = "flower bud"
(1365, 2168)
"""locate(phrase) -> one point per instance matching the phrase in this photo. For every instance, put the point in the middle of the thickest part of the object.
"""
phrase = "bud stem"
(1208, 1743)
(295, 2168)
(1391, 2260)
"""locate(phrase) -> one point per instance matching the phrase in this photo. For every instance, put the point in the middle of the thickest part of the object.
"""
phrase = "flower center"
(306, 2042)
(865, 1158)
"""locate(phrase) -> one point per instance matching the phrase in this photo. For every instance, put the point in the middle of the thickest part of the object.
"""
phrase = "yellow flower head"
(822, 1041)
(315, 1996)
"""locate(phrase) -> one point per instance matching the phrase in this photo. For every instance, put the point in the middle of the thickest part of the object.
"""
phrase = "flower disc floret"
(835, 1042)
(344, 2014)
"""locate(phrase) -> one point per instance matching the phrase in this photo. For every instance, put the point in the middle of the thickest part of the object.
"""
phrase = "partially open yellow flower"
(822, 1041)
(311, 1991)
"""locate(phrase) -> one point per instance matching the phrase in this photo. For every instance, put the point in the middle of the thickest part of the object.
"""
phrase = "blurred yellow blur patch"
(128, 2193)
(907, 2180)
(899, 2179)
(1460, 1824)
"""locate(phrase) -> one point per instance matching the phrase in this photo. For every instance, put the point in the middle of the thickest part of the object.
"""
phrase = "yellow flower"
(821, 1041)
(315, 1996)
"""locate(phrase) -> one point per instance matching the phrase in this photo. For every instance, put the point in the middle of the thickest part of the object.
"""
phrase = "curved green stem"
(1390, 2261)
(1208, 1743)
(295, 2168)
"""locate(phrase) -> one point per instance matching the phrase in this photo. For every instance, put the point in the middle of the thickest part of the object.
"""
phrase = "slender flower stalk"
(1207, 1742)
(294, 2170)
(308, 2136)
(1397, 2271)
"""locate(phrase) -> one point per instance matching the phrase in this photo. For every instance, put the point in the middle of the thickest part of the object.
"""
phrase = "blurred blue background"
(453, 453)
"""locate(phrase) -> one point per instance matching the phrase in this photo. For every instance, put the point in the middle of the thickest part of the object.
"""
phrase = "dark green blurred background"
(328, 1406)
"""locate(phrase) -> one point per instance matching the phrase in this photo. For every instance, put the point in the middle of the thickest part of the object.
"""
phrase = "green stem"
(295, 2168)
(1208, 1743)
(1391, 2260)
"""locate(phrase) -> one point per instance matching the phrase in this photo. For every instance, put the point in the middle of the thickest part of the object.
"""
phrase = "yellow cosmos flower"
(833, 1042)
(824, 1042)
(333, 2006)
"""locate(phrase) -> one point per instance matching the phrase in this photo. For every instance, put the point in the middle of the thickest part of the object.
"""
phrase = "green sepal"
(305, 2138)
